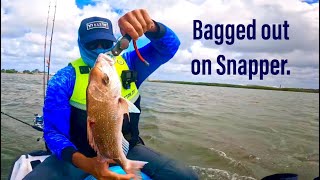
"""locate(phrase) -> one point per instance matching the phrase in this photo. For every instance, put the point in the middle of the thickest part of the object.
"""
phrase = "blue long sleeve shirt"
(56, 111)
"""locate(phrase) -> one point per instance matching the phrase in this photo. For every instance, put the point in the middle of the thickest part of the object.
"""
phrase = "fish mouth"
(106, 59)
(105, 62)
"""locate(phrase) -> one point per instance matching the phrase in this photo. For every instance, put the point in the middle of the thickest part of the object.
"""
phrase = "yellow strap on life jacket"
(78, 98)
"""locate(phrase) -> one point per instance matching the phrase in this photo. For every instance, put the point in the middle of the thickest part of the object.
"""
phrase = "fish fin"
(100, 158)
(90, 124)
(131, 107)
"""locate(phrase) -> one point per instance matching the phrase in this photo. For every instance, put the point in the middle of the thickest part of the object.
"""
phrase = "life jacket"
(78, 98)
(78, 117)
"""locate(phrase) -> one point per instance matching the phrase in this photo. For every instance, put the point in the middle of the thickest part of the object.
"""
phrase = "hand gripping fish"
(106, 108)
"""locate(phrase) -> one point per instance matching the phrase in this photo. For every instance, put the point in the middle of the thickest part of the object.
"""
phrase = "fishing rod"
(33, 126)
(49, 61)
(44, 55)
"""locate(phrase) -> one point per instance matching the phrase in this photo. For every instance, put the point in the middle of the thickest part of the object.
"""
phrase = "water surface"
(222, 133)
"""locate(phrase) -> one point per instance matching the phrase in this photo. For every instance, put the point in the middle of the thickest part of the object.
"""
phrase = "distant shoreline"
(216, 84)
(51, 74)
(239, 86)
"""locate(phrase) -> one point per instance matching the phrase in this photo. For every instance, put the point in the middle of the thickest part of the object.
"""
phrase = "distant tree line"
(35, 71)
(239, 86)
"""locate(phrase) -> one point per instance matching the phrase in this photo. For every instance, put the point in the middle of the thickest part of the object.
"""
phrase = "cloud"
(24, 22)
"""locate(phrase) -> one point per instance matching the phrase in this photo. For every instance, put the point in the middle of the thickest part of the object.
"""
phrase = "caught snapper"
(106, 108)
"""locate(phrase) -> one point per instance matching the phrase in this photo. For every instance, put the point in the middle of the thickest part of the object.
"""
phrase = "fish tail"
(135, 166)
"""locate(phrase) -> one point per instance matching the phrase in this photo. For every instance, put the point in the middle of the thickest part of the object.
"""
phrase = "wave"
(218, 174)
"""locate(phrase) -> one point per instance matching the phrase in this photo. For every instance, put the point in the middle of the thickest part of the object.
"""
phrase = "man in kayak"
(64, 110)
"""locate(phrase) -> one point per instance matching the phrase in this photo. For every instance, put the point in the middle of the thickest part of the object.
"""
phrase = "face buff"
(90, 56)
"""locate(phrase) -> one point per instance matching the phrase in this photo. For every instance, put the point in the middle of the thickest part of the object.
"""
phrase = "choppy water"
(222, 133)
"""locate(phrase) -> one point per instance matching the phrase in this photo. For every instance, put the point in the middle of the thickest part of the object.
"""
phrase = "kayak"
(27, 162)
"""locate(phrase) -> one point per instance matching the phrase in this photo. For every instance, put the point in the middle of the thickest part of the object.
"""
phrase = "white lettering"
(97, 24)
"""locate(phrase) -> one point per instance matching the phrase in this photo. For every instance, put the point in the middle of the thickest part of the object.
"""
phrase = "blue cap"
(94, 28)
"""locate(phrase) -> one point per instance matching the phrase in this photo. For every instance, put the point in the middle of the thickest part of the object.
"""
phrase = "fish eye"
(105, 79)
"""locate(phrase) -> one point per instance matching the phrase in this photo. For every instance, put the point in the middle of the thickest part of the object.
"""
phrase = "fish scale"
(106, 109)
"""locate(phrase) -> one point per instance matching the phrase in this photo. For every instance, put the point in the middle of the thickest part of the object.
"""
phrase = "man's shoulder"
(64, 77)
(65, 72)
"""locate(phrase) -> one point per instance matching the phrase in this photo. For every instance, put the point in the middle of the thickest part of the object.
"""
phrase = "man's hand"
(101, 171)
(136, 23)
(97, 168)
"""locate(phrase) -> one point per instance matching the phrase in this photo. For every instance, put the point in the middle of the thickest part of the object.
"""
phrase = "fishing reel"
(38, 122)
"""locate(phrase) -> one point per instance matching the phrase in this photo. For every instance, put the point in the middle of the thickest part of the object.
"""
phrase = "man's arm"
(56, 114)
(163, 45)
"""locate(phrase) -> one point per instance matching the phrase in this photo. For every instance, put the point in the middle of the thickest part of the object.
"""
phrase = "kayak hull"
(25, 163)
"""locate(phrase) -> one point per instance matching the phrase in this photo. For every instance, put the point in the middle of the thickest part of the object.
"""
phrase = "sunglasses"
(105, 44)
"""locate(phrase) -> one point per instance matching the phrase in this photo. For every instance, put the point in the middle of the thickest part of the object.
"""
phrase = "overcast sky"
(23, 34)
